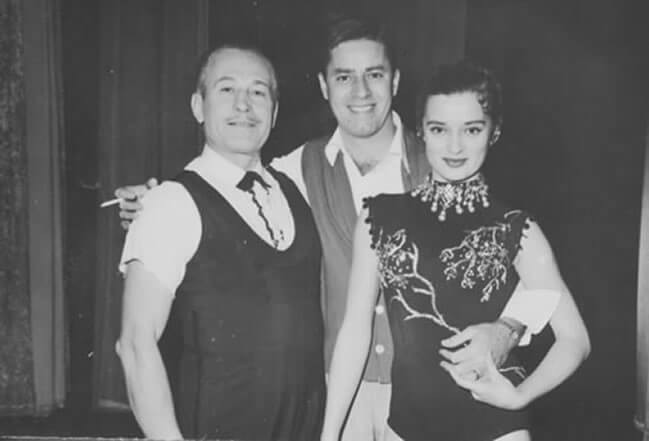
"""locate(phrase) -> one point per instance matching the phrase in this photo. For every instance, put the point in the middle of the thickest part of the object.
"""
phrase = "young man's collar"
(335, 144)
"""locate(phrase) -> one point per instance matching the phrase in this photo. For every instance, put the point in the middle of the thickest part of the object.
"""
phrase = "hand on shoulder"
(131, 196)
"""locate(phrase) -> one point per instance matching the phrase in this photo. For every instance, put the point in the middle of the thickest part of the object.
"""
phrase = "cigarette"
(111, 202)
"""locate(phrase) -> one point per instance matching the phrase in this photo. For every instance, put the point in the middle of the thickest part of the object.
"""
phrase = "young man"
(369, 153)
(237, 246)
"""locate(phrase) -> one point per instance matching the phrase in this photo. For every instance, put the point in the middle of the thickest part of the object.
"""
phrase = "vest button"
(379, 349)
(379, 309)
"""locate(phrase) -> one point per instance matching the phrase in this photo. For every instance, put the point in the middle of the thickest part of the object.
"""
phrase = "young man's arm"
(526, 313)
(132, 195)
(145, 310)
(538, 270)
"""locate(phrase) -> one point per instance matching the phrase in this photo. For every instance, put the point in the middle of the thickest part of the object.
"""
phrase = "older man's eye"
(342, 78)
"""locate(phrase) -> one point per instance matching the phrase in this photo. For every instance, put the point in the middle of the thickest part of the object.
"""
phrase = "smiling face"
(456, 131)
(237, 103)
(359, 84)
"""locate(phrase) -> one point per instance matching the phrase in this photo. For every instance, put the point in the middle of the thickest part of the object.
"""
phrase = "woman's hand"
(492, 388)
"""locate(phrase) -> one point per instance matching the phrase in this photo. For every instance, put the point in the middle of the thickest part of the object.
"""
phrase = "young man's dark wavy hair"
(340, 28)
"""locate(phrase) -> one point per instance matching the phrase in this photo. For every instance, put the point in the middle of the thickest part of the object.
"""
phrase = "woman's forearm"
(353, 340)
(563, 358)
(350, 353)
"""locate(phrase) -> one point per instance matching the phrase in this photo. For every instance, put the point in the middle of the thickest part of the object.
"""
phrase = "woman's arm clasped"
(538, 270)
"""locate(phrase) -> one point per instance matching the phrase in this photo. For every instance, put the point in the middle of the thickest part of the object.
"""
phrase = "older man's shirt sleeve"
(291, 166)
(533, 308)
(165, 235)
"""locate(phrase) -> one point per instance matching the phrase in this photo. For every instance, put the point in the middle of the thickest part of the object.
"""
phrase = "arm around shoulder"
(130, 196)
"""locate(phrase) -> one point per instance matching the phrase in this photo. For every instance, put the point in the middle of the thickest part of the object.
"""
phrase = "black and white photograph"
(324, 220)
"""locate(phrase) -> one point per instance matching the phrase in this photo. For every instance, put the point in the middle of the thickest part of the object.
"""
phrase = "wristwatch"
(516, 328)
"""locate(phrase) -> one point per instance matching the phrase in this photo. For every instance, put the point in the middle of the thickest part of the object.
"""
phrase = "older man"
(237, 246)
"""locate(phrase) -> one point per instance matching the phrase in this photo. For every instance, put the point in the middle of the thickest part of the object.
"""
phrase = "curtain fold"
(16, 379)
(44, 146)
(32, 325)
(148, 50)
(642, 364)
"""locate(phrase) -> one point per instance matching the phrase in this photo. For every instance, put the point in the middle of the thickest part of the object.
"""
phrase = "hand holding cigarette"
(128, 198)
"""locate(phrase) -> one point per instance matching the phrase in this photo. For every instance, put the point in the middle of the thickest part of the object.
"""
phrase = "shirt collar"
(214, 167)
(397, 148)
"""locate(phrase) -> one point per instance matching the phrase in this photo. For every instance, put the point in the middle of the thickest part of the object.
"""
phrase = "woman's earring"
(495, 135)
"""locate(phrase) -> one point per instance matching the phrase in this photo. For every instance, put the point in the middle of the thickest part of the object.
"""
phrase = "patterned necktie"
(247, 184)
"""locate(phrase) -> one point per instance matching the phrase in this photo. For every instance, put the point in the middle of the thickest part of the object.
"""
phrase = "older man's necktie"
(247, 184)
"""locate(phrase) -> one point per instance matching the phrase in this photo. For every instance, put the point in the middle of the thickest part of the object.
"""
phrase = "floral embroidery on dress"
(481, 256)
(398, 262)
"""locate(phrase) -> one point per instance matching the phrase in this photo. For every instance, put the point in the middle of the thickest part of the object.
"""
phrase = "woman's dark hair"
(464, 76)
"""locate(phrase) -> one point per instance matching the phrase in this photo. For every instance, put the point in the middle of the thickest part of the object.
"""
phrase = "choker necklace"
(461, 195)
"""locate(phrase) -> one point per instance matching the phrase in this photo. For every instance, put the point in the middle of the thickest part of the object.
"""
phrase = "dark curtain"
(44, 142)
(572, 152)
(16, 376)
(32, 326)
(148, 50)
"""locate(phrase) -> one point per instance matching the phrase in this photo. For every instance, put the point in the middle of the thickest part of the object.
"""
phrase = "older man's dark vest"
(252, 359)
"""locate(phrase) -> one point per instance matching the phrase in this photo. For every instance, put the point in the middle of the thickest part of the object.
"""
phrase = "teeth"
(361, 108)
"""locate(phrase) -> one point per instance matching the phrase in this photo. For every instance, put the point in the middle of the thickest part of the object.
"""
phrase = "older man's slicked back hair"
(206, 59)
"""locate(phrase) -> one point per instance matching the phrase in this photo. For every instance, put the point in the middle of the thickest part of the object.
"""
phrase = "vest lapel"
(340, 200)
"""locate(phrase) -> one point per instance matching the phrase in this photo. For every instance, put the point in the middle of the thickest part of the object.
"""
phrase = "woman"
(444, 256)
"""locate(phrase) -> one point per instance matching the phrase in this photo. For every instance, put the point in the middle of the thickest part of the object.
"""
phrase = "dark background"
(575, 76)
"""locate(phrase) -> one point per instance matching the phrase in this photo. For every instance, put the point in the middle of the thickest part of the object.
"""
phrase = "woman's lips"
(455, 163)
